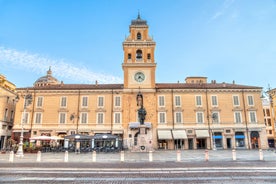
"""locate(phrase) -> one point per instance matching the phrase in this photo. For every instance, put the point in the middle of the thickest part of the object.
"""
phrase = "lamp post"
(27, 101)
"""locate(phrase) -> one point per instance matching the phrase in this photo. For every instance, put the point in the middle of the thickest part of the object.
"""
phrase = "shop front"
(179, 137)
(201, 139)
(165, 139)
(254, 136)
(106, 143)
(217, 139)
(240, 140)
(77, 143)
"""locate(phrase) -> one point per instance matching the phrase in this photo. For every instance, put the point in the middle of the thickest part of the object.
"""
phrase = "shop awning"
(117, 132)
(78, 137)
(104, 136)
(101, 131)
(202, 133)
(179, 134)
(164, 134)
(18, 131)
(61, 131)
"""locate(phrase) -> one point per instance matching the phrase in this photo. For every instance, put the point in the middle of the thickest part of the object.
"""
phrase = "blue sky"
(224, 40)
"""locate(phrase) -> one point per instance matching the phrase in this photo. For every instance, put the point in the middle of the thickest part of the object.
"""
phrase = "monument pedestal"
(144, 140)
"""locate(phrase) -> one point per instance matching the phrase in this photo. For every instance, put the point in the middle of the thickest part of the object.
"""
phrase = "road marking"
(219, 178)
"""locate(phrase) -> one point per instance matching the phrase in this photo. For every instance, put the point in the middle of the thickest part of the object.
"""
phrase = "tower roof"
(138, 21)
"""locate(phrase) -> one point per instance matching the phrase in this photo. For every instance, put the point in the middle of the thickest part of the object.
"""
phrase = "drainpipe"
(172, 111)
(208, 117)
(32, 112)
(246, 123)
(173, 118)
(111, 123)
(78, 113)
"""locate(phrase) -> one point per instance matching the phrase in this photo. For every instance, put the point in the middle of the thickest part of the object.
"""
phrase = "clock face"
(139, 77)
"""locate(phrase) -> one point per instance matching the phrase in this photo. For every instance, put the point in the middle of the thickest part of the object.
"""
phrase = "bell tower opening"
(139, 64)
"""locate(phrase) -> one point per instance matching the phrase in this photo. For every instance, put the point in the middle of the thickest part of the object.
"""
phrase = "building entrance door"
(178, 144)
(201, 143)
(228, 142)
(191, 144)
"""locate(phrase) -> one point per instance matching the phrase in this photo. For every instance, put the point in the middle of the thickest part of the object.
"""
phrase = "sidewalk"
(134, 157)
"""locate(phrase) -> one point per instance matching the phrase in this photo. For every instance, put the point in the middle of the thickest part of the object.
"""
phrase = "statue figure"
(142, 111)
(142, 115)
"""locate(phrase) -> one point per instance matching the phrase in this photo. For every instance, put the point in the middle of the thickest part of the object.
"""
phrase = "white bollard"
(11, 156)
(38, 158)
(261, 154)
(234, 154)
(66, 156)
(122, 156)
(206, 155)
(178, 156)
(94, 156)
(150, 156)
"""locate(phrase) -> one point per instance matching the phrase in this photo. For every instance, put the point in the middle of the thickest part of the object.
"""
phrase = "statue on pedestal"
(142, 111)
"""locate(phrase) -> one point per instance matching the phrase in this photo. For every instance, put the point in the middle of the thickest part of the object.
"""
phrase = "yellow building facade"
(7, 110)
(269, 114)
(194, 114)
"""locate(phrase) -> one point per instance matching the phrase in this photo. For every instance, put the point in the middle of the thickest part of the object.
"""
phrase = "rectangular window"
(236, 101)
(84, 117)
(162, 117)
(250, 100)
(100, 101)
(148, 56)
(252, 117)
(199, 117)
(215, 117)
(177, 101)
(84, 101)
(161, 101)
(267, 112)
(12, 116)
(100, 118)
(198, 101)
(237, 116)
(128, 56)
(62, 118)
(178, 117)
(63, 101)
(25, 118)
(214, 100)
(117, 117)
(38, 118)
(117, 101)
(269, 122)
(39, 101)
(6, 115)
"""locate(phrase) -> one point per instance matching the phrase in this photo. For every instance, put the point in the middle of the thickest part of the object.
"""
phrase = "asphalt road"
(154, 172)
(191, 167)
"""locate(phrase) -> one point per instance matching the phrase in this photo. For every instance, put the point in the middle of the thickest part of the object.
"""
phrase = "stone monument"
(144, 142)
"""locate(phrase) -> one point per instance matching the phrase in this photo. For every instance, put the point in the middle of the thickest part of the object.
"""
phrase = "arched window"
(149, 57)
(139, 36)
(139, 54)
(129, 56)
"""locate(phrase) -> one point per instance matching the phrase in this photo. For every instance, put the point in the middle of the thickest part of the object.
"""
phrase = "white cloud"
(61, 68)
(223, 9)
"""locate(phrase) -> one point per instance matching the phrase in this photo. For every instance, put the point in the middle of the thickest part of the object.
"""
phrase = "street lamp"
(214, 119)
(27, 101)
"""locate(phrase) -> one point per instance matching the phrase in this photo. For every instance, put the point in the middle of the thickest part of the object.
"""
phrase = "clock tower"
(139, 64)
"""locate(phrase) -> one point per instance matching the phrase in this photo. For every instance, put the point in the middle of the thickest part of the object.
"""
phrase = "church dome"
(46, 80)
